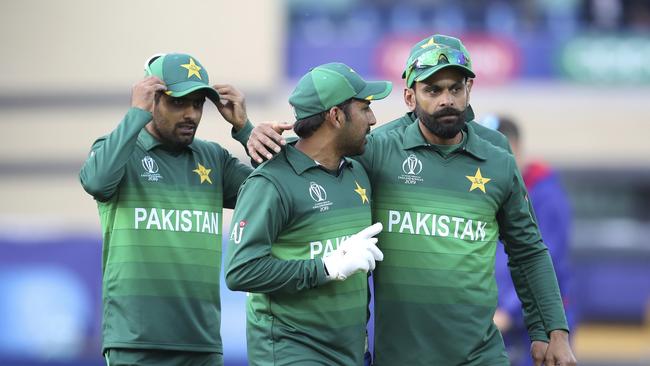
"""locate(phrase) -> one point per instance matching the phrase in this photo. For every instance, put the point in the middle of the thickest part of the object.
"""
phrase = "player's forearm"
(104, 168)
(235, 173)
(538, 277)
(242, 133)
(532, 318)
(268, 275)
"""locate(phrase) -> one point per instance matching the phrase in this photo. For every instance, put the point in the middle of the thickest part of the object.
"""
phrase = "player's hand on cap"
(265, 140)
(231, 105)
(144, 91)
(358, 253)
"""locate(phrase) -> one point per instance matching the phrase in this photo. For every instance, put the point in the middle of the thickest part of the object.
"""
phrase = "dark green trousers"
(146, 357)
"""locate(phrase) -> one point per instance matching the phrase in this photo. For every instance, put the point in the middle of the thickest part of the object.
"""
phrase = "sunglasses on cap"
(435, 57)
(149, 61)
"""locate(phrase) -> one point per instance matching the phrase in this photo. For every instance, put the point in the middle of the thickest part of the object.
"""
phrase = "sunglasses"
(436, 57)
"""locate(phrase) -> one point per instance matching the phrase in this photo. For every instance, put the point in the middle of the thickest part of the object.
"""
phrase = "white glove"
(358, 253)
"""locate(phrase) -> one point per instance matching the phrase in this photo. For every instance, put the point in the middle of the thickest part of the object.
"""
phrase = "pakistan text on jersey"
(177, 220)
(325, 247)
(417, 223)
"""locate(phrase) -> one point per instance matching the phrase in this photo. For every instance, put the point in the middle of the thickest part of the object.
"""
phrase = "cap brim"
(185, 88)
(432, 70)
(375, 90)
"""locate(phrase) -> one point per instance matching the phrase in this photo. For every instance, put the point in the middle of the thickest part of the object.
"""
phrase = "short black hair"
(306, 127)
(508, 127)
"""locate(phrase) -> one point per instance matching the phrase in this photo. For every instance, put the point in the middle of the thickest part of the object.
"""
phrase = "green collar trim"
(300, 162)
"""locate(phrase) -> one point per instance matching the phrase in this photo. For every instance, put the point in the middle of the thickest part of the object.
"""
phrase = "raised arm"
(234, 175)
(266, 140)
(104, 168)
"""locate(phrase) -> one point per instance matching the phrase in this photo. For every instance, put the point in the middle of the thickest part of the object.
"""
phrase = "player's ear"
(468, 89)
(334, 118)
(409, 98)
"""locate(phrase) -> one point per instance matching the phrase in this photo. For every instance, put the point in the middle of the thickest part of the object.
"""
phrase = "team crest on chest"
(411, 167)
(361, 192)
(319, 195)
(478, 181)
(204, 173)
(150, 169)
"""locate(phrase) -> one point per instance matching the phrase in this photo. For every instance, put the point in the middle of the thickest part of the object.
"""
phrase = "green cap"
(181, 73)
(433, 54)
(328, 85)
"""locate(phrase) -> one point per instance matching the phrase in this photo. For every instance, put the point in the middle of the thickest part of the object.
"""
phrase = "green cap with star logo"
(328, 85)
(181, 73)
(433, 54)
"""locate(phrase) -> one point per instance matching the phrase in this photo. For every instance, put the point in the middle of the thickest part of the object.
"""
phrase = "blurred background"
(575, 74)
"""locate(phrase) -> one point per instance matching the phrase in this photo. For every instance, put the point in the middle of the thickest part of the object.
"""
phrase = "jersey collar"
(300, 162)
(473, 144)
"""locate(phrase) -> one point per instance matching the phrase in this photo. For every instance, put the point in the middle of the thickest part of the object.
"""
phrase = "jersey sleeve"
(534, 276)
(243, 134)
(258, 220)
(532, 318)
(234, 174)
(104, 168)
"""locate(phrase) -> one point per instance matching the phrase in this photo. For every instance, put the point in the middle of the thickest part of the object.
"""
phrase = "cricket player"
(302, 239)
(160, 194)
(444, 195)
(536, 332)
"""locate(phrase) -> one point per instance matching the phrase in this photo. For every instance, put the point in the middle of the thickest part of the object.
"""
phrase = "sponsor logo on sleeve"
(238, 231)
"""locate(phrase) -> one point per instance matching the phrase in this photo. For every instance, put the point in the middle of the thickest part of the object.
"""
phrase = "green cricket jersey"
(290, 214)
(161, 215)
(533, 321)
(435, 292)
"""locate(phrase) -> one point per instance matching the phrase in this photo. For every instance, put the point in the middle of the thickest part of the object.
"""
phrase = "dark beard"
(171, 141)
(445, 130)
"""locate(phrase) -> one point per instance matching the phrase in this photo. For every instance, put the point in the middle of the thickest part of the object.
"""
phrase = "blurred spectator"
(605, 14)
(554, 218)
(501, 17)
(560, 16)
(638, 15)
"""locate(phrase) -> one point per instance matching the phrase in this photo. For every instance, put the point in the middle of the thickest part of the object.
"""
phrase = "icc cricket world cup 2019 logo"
(412, 165)
(318, 194)
(150, 169)
(150, 166)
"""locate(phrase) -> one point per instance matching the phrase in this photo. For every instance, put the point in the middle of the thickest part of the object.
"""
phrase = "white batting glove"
(358, 253)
